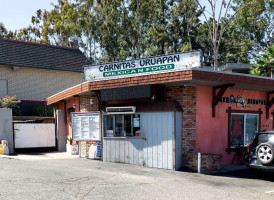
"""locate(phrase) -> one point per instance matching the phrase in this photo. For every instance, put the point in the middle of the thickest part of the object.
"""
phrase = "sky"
(16, 14)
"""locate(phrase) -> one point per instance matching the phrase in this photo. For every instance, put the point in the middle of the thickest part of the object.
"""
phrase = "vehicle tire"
(265, 153)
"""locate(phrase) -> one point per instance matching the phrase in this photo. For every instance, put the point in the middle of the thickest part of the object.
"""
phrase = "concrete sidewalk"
(64, 155)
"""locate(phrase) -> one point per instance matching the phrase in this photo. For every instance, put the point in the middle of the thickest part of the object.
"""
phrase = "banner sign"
(141, 67)
(99, 150)
(85, 126)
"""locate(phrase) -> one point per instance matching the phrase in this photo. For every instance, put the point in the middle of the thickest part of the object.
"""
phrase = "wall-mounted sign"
(141, 67)
(240, 101)
(85, 126)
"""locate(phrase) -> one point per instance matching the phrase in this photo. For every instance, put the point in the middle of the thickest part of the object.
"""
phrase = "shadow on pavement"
(248, 174)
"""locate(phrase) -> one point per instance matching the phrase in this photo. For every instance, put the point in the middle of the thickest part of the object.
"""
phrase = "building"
(236, 67)
(162, 114)
(33, 71)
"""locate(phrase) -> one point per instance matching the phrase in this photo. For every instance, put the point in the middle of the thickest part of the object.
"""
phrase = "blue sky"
(16, 14)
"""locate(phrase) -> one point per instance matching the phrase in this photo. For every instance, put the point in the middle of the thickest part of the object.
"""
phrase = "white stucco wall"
(6, 130)
(37, 84)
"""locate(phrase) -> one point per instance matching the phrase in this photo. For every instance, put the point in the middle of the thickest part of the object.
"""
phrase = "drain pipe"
(199, 162)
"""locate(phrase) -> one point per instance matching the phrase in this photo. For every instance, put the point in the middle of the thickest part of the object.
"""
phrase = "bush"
(42, 111)
(9, 102)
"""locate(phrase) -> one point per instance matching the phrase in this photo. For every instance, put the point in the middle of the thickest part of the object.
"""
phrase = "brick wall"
(85, 105)
(85, 148)
(208, 162)
(186, 97)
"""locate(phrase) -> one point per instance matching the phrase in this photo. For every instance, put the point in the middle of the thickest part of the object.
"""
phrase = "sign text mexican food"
(141, 67)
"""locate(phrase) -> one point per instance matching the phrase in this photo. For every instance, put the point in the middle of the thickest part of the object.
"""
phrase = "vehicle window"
(271, 138)
(263, 138)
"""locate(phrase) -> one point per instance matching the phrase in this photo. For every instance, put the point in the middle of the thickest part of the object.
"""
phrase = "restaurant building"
(162, 111)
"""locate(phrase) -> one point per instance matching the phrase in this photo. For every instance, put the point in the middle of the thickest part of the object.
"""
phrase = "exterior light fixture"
(232, 98)
(91, 101)
(74, 106)
(153, 98)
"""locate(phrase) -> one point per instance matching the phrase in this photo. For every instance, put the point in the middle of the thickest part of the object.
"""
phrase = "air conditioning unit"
(121, 110)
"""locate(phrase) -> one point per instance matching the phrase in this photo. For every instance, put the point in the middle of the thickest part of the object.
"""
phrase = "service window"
(243, 129)
(121, 125)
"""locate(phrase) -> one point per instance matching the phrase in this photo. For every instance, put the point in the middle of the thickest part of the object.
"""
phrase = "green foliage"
(42, 111)
(9, 102)
(265, 64)
(116, 30)
(186, 47)
(16, 111)
(3, 30)
(254, 25)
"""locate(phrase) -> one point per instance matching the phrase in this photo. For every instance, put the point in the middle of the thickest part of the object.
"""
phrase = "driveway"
(51, 176)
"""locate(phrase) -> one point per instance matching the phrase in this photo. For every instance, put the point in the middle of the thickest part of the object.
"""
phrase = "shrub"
(9, 102)
(42, 111)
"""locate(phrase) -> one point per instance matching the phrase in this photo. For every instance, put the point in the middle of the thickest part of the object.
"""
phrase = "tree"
(4, 33)
(217, 23)
(185, 24)
(140, 20)
(255, 22)
(3, 30)
(265, 64)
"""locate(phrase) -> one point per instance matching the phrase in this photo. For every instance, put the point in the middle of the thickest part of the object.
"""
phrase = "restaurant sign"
(141, 67)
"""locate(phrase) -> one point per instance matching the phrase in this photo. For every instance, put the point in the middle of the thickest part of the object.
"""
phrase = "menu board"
(85, 126)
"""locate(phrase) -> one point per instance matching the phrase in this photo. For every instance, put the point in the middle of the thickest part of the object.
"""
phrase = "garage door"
(34, 135)
(158, 129)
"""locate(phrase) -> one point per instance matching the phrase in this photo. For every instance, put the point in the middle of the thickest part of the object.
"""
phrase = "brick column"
(189, 120)
(186, 97)
(85, 106)
(85, 102)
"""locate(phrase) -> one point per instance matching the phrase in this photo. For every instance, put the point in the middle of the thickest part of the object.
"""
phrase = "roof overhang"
(194, 77)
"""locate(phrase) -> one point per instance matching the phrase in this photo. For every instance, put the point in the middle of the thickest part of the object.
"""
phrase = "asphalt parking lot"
(59, 176)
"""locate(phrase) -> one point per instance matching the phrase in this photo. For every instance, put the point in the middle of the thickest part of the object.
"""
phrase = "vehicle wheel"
(264, 153)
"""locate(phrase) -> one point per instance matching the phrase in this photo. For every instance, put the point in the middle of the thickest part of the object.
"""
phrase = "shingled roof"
(34, 55)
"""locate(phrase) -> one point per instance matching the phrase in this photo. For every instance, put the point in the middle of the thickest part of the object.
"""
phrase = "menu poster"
(85, 126)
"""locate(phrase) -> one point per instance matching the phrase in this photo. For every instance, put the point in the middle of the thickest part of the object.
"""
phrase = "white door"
(158, 129)
(34, 135)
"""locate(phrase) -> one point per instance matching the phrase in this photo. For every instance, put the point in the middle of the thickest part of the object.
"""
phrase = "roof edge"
(39, 44)
(66, 90)
(161, 78)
